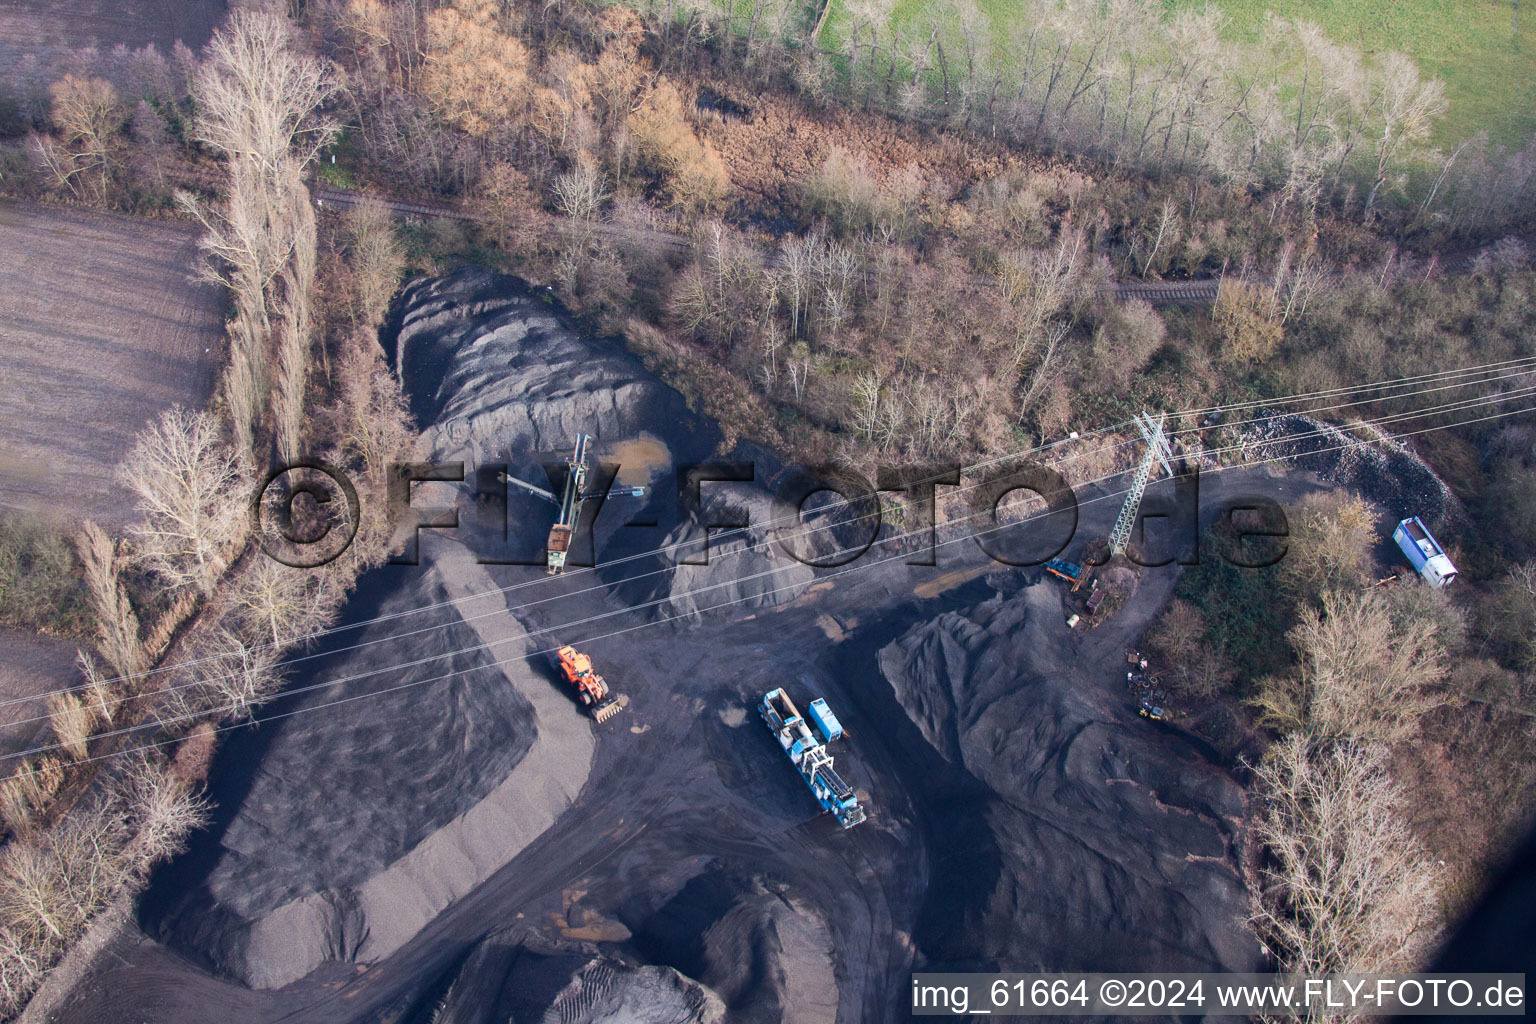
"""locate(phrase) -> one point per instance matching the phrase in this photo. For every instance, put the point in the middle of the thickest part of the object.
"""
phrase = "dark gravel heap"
(1108, 850)
(313, 804)
(1386, 472)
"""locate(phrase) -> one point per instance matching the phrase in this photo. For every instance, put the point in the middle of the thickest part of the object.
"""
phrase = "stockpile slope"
(347, 824)
(1113, 846)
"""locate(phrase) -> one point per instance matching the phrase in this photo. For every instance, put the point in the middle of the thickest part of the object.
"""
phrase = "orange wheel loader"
(589, 686)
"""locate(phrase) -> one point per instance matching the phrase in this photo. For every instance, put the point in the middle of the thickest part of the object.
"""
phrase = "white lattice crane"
(1157, 451)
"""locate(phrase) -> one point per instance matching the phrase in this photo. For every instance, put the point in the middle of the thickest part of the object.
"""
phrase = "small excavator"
(590, 687)
(570, 501)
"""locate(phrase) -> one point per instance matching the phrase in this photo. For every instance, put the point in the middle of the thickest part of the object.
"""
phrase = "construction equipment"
(1424, 552)
(1157, 451)
(570, 501)
(1152, 711)
(1069, 571)
(809, 754)
(590, 687)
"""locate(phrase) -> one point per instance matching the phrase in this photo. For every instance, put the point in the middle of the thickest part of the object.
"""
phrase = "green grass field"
(1485, 50)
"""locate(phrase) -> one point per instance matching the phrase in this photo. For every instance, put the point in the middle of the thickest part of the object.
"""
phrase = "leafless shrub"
(1248, 316)
(100, 692)
(695, 175)
(117, 625)
(72, 721)
(1331, 539)
(376, 258)
(191, 496)
(375, 424)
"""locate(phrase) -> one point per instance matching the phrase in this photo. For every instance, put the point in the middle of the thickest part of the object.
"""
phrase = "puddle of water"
(640, 459)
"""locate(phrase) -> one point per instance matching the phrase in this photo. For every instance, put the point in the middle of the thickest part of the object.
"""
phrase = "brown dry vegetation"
(88, 819)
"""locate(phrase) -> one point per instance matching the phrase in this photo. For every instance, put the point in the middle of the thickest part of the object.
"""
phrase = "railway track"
(1170, 293)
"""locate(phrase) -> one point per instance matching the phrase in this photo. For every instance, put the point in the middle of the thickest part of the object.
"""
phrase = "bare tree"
(87, 115)
(296, 319)
(580, 192)
(275, 600)
(190, 495)
(22, 966)
(1517, 611)
(49, 890)
(474, 74)
(260, 102)
(162, 812)
(33, 899)
(1364, 672)
(242, 235)
(260, 99)
(1167, 233)
(1040, 285)
(1406, 109)
(1348, 887)
(866, 394)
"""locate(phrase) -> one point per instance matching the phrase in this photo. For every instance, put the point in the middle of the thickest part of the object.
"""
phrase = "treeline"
(190, 618)
(913, 296)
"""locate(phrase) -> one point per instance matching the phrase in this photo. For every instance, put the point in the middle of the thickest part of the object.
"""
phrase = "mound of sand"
(492, 371)
(346, 825)
(1111, 851)
(765, 952)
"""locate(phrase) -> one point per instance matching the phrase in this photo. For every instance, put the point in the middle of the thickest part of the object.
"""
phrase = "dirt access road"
(688, 775)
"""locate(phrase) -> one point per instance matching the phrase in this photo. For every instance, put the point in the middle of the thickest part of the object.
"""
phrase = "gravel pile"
(1385, 471)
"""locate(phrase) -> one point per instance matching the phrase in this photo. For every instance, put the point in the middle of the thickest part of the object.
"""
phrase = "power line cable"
(159, 723)
(1508, 370)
